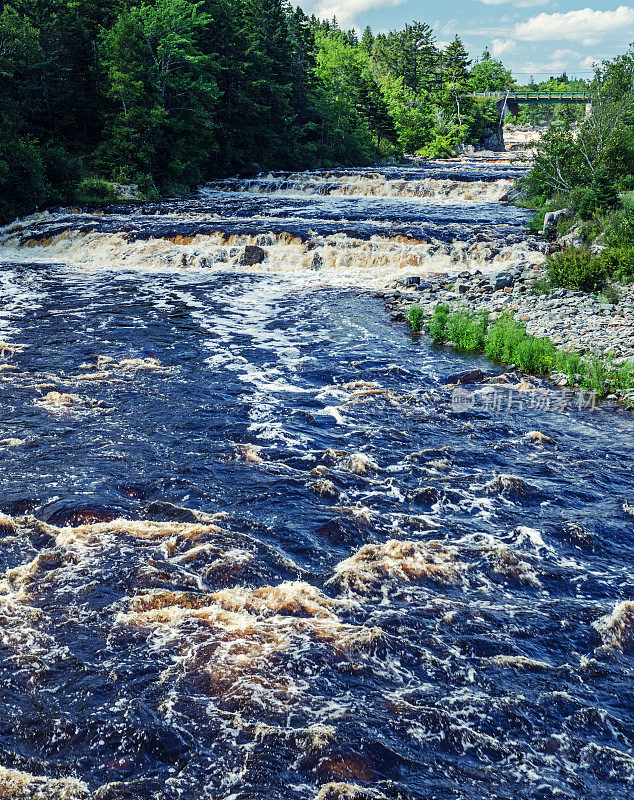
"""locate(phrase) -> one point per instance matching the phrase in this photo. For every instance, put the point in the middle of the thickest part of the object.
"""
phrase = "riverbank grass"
(506, 341)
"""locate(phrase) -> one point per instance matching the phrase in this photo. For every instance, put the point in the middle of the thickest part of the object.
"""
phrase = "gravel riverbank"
(572, 320)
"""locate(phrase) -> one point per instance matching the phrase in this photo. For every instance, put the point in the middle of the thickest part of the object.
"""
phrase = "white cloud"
(563, 60)
(589, 62)
(346, 11)
(516, 3)
(500, 47)
(585, 26)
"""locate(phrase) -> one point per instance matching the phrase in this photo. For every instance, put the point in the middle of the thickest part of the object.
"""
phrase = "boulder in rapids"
(473, 376)
(251, 171)
(515, 193)
(253, 255)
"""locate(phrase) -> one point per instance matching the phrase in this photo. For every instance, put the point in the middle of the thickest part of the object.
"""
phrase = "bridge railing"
(536, 97)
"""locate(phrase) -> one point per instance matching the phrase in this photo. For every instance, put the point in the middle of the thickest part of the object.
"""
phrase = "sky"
(532, 37)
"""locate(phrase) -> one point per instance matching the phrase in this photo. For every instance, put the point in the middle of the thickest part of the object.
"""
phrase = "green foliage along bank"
(587, 168)
(506, 341)
(168, 93)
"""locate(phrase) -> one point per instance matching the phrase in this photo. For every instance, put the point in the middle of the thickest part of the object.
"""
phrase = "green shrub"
(440, 147)
(619, 263)
(598, 198)
(536, 223)
(415, 317)
(583, 202)
(618, 227)
(467, 330)
(437, 325)
(577, 268)
(610, 294)
(626, 183)
(94, 190)
(541, 286)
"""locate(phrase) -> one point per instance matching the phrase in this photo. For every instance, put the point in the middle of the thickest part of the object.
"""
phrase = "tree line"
(585, 170)
(168, 93)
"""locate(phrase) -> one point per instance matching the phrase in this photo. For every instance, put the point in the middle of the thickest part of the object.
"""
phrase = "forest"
(166, 94)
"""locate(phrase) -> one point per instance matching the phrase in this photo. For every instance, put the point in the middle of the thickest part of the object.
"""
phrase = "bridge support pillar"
(588, 113)
(507, 107)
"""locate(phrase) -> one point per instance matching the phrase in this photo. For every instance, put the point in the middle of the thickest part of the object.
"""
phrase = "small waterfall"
(363, 228)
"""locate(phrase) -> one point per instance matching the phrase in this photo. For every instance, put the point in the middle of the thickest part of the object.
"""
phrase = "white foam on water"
(338, 260)
(368, 184)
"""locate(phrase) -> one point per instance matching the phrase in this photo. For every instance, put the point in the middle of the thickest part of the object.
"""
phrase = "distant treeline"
(168, 93)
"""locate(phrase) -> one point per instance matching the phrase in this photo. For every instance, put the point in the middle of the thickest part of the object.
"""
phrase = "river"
(251, 546)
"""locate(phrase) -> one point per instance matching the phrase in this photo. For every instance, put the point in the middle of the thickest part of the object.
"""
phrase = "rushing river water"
(250, 548)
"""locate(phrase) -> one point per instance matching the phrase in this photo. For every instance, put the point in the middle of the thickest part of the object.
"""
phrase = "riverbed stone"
(574, 320)
(502, 280)
(253, 255)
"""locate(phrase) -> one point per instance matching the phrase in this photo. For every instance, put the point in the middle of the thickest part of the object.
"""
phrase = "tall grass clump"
(468, 331)
(437, 325)
(507, 341)
(416, 318)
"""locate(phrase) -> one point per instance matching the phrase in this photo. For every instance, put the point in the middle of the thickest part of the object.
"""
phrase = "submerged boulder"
(473, 376)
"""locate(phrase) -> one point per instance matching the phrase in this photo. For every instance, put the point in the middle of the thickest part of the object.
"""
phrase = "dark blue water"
(253, 552)
(240, 213)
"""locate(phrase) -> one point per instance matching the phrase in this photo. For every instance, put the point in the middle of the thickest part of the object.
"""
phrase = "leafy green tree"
(412, 116)
(558, 164)
(490, 75)
(455, 65)
(161, 85)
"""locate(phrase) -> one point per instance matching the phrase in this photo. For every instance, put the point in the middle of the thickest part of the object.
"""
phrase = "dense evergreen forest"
(168, 93)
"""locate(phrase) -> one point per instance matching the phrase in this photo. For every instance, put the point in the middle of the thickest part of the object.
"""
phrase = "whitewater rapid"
(251, 547)
(340, 228)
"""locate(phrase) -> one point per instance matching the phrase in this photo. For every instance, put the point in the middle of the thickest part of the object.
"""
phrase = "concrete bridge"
(509, 102)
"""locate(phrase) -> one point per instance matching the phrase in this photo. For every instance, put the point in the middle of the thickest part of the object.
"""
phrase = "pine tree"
(605, 194)
(456, 62)
(455, 66)
(372, 105)
(367, 41)
(163, 89)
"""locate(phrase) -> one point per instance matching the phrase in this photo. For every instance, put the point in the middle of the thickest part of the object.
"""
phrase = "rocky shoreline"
(573, 320)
